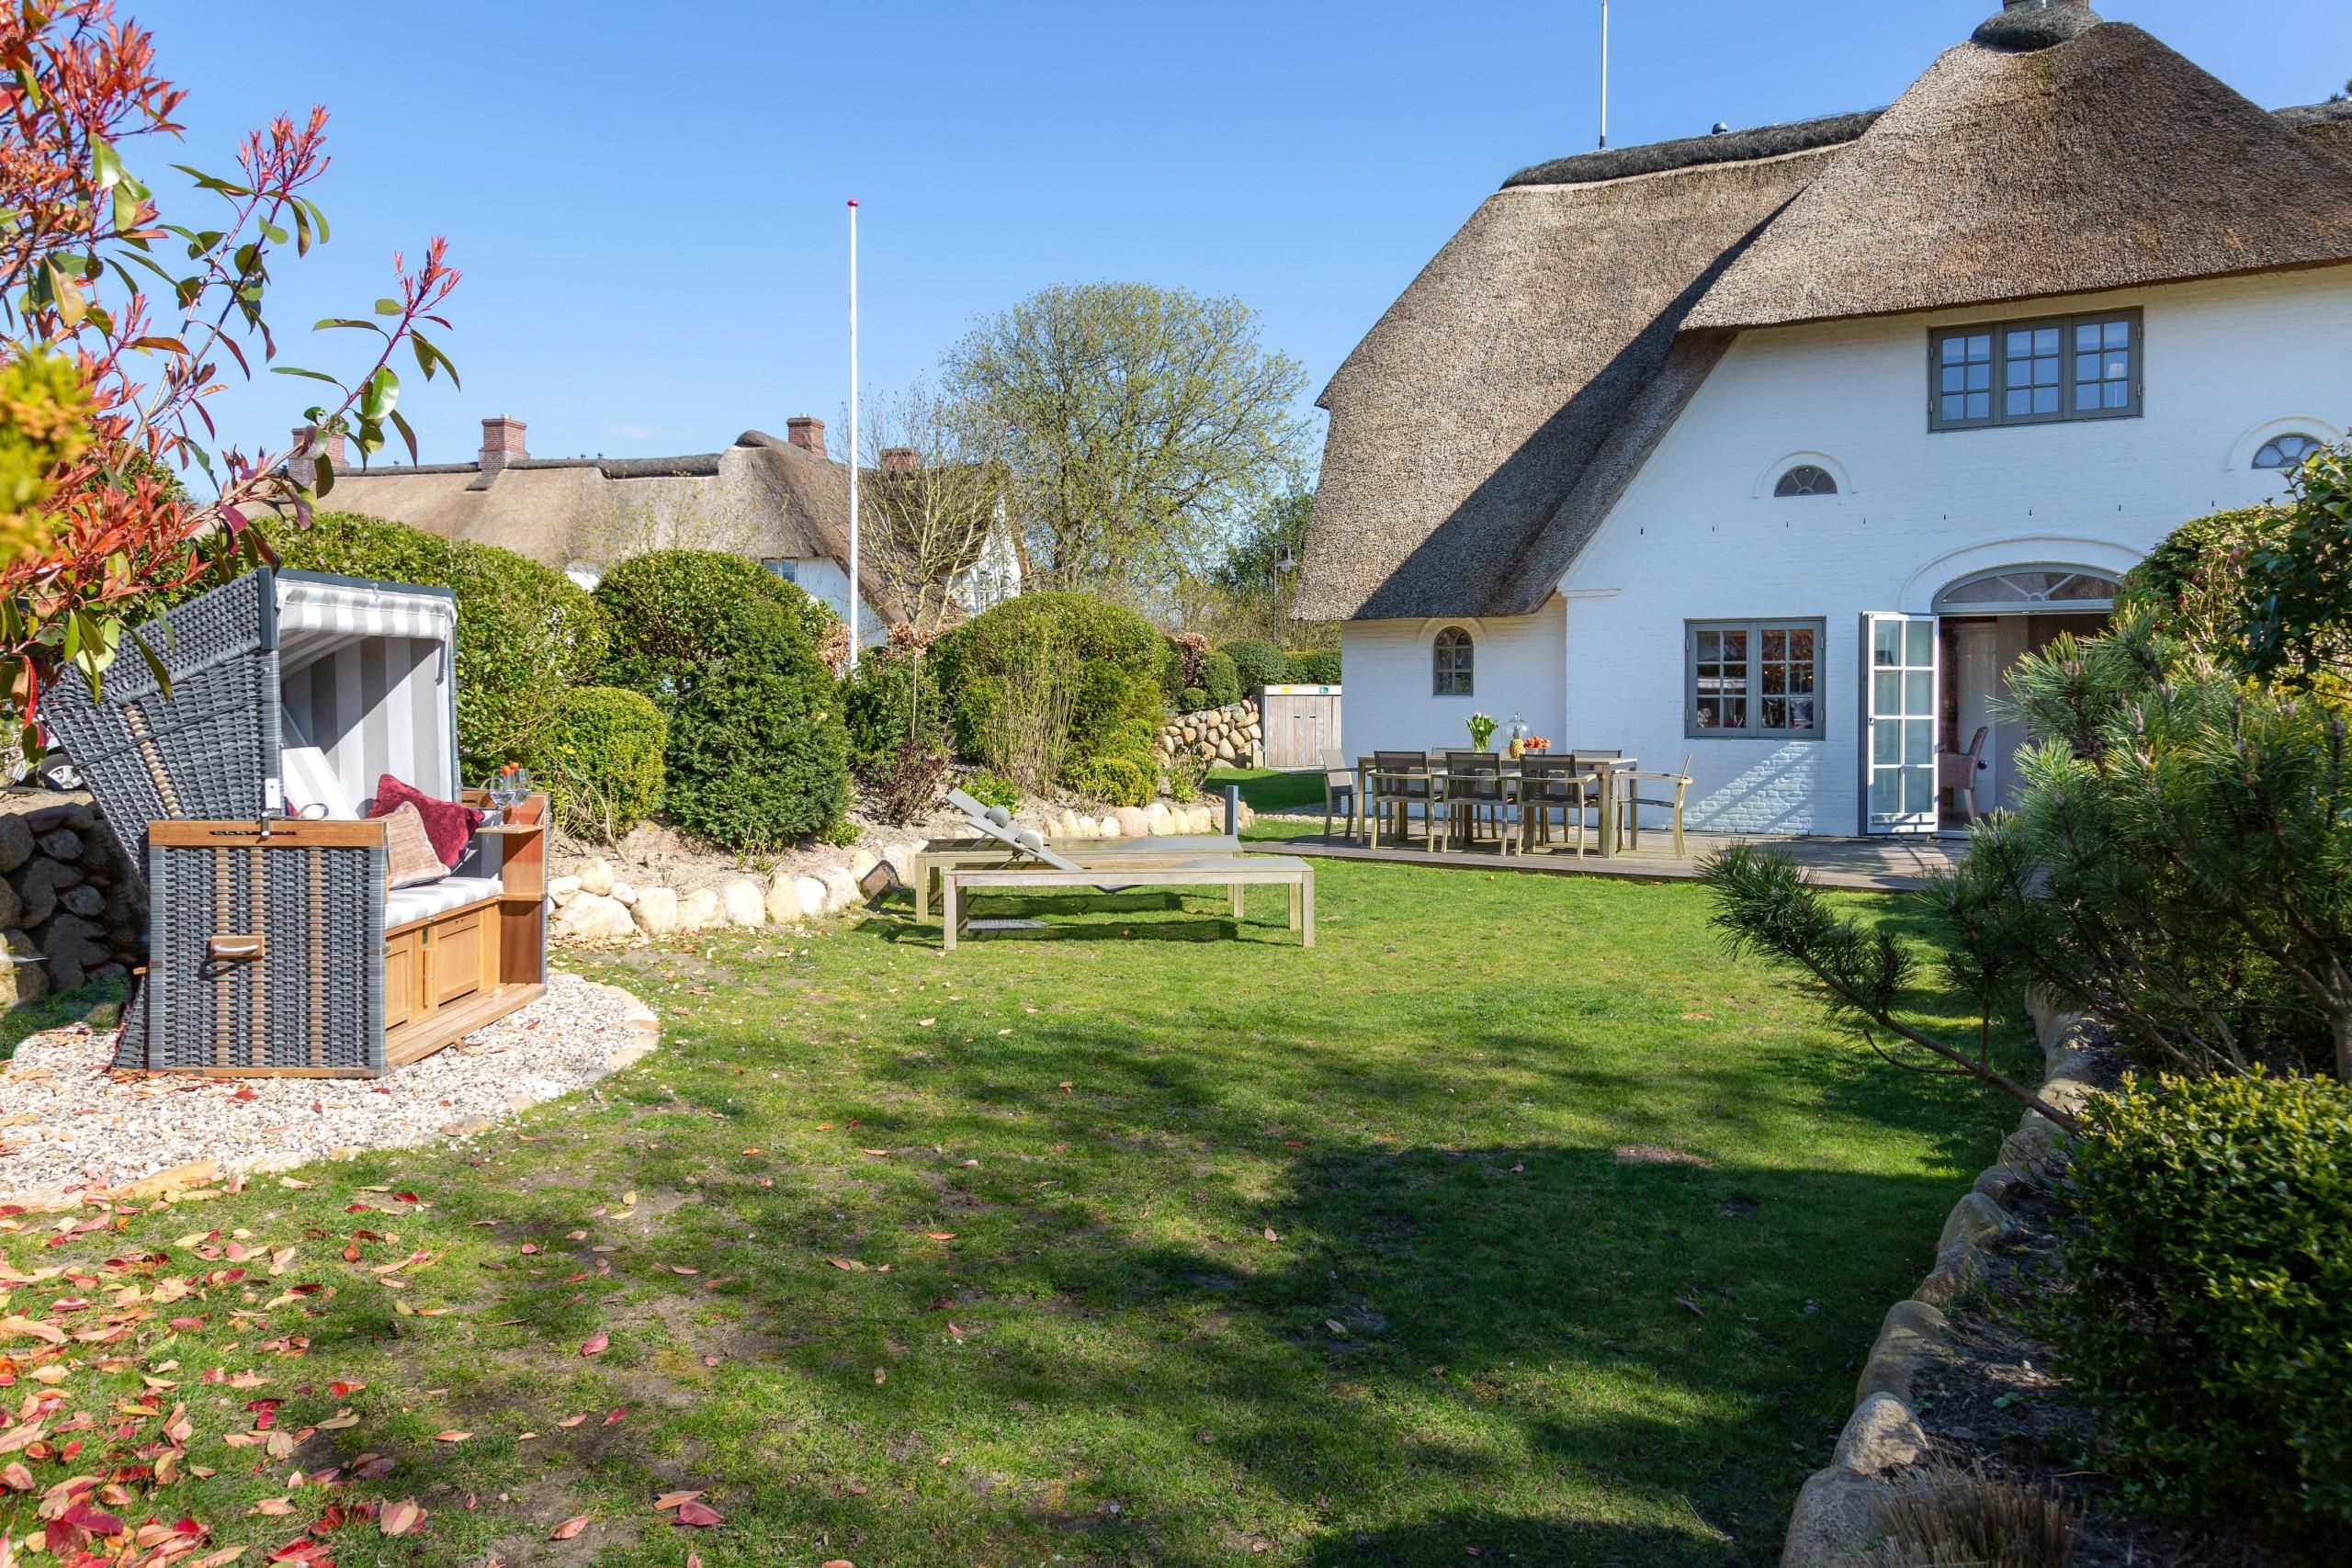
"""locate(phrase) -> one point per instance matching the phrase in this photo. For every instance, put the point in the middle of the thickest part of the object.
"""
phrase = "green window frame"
(2044, 370)
(1754, 680)
(1454, 664)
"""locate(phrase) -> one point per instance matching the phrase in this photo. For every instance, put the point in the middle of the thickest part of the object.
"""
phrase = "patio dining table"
(1607, 773)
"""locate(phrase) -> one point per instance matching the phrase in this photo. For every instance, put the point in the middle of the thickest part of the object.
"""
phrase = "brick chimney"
(310, 440)
(805, 432)
(898, 459)
(502, 443)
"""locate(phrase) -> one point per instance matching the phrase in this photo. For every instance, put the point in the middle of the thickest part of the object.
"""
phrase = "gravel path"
(68, 1125)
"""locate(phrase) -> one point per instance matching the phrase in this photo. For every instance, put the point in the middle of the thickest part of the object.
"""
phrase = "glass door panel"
(1899, 759)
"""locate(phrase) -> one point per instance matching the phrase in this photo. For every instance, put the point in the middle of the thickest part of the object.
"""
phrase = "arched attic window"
(1451, 658)
(1806, 479)
(2287, 451)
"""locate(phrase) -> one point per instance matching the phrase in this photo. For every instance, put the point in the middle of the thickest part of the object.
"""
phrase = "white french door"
(1899, 687)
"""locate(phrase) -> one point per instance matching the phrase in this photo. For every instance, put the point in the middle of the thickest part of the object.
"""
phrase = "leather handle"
(234, 949)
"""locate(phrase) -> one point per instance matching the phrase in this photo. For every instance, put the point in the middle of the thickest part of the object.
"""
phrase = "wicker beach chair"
(275, 944)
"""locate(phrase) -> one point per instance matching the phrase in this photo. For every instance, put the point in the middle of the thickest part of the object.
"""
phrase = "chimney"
(805, 432)
(310, 440)
(898, 459)
(502, 443)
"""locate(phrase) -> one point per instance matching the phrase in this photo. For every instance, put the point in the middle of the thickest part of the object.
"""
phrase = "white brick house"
(1776, 450)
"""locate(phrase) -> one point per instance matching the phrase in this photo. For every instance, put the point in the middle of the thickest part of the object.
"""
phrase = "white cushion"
(310, 781)
(408, 904)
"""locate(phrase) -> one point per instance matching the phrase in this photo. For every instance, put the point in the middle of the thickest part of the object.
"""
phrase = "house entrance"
(1986, 623)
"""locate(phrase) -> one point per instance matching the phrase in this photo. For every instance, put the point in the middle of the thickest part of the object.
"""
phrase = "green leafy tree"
(1134, 425)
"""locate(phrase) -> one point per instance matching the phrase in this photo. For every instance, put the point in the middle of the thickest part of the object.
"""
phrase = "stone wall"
(72, 909)
(1229, 737)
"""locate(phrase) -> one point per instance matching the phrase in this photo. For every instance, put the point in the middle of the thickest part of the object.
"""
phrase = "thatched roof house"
(1494, 415)
(781, 502)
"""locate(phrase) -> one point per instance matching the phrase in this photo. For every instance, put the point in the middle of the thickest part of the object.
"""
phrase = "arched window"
(2053, 589)
(1449, 661)
(1806, 479)
(2287, 451)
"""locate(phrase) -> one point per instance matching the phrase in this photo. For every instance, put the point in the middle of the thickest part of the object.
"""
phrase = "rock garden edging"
(1834, 1524)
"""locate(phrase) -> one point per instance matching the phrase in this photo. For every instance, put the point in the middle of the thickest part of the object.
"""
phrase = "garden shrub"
(759, 758)
(1048, 677)
(1312, 667)
(1219, 679)
(599, 756)
(1255, 663)
(524, 631)
(993, 789)
(912, 781)
(1191, 699)
(1119, 781)
(758, 752)
(2210, 1323)
(887, 701)
(679, 616)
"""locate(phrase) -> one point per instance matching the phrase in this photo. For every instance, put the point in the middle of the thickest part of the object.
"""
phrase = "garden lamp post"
(1285, 562)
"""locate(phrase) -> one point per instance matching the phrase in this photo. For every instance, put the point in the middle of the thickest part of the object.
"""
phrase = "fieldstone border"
(1834, 1524)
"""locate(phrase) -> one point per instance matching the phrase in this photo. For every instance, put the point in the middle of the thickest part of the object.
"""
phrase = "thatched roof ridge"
(1476, 404)
(762, 497)
(2325, 125)
(1692, 151)
(2104, 162)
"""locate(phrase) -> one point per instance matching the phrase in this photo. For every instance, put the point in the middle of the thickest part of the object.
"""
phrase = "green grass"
(100, 1003)
(1269, 789)
(1130, 1241)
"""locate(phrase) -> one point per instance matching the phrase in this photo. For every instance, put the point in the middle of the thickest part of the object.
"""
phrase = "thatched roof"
(1485, 426)
(761, 498)
(1477, 402)
(2106, 161)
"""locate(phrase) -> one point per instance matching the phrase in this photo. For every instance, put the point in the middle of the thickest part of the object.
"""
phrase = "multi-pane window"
(1753, 678)
(2034, 372)
(1450, 661)
(2287, 451)
(1806, 479)
(783, 567)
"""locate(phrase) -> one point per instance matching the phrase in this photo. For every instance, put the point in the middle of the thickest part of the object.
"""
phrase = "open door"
(1899, 723)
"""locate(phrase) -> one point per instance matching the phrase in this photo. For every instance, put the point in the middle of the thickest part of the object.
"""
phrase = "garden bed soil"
(1995, 1395)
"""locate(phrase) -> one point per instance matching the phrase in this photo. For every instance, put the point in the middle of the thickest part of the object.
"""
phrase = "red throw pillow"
(446, 823)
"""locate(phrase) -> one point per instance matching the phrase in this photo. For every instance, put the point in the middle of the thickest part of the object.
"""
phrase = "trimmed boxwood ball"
(524, 631)
(758, 754)
(2210, 1323)
(1220, 680)
(600, 758)
(1255, 663)
(758, 759)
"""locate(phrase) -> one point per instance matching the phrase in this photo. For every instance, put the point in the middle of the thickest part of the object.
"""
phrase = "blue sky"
(648, 202)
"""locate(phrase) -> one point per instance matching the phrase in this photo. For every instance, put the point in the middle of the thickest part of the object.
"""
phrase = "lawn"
(1513, 1218)
(1270, 789)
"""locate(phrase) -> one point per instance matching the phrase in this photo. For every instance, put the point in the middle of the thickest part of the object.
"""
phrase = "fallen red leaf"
(570, 1528)
(400, 1517)
(699, 1515)
(594, 1345)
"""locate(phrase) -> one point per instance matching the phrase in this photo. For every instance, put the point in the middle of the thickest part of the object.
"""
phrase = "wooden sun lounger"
(1234, 874)
(1106, 854)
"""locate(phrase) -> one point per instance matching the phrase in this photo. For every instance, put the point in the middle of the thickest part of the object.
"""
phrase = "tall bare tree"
(934, 507)
(1136, 427)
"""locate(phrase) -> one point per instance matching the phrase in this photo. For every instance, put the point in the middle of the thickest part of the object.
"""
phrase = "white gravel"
(69, 1125)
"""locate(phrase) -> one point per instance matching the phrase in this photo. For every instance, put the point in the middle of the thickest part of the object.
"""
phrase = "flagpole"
(853, 436)
(1604, 74)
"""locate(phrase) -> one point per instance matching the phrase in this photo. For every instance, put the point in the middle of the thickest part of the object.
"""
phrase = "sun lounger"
(1234, 873)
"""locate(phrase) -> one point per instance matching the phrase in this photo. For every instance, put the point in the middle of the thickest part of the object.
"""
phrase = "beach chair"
(276, 943)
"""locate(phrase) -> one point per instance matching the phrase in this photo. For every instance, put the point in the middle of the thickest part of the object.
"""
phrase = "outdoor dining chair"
(1957, 770)
(1399, 779)
(1339, 792)
(1629, 804)
(1550, 786)
(1475, 798)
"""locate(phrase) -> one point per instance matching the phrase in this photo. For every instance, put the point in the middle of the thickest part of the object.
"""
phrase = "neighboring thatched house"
(783, 503)
(1776, 449)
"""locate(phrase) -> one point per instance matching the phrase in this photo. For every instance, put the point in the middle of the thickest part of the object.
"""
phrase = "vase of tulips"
(1482, 730)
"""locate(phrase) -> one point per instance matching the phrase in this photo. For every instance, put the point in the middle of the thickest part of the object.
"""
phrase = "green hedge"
(1257, 663)
(881, 704)
(758, 754)
(1220, 681)
(524, 631)
(2210, 1323)
(1312, 667)
(599, 756)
